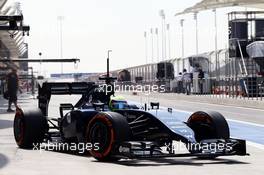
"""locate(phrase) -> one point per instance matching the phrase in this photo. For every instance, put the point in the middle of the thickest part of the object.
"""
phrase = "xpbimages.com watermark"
(174, 148)
(145, 89)
(205, 147)
(66, 147)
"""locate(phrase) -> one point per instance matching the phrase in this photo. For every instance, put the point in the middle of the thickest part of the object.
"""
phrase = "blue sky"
(91, 27)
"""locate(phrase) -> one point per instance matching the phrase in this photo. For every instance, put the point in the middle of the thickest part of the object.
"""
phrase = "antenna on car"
(109, 87)
(107, 78)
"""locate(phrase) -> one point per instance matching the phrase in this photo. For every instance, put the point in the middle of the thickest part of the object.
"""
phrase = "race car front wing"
(205, 148)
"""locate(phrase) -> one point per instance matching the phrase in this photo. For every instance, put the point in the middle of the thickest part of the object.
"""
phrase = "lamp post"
(60, 19)
(182, 28)
(40, 69)
(216, 46)
(157, 35)
(146, 46)
(32, 82)
(152, 45)
(163, 35)
(169, 41)
(196, 31)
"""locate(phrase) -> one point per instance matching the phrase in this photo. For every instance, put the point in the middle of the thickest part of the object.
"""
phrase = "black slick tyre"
(29, 128)
(107, 130)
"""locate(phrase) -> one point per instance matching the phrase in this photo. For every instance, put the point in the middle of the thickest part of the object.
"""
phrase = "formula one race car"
(117, 129)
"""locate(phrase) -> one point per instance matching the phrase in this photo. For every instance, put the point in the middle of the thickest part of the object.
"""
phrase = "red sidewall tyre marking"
(19, 116)
(105, 120)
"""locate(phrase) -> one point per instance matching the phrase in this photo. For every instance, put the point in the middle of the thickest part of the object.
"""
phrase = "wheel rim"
(202, 126)
(100, 134)
(203, 130)
(100, 131)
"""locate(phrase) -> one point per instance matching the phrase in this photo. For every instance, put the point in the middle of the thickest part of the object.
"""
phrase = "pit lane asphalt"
(18, 161)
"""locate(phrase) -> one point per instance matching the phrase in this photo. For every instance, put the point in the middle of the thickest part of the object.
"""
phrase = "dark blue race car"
(122, 130)
(114, 129)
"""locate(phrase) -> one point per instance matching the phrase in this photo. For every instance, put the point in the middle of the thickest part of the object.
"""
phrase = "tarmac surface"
(15, 161)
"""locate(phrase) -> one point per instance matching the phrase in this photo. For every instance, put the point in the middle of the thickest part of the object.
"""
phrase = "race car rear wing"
(47, 89)
(65, 88)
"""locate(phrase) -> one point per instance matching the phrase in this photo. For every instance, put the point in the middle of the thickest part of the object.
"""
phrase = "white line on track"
(186, 112)
(256, 145)
(247, 123)
(214, 104)
(228, 106)
(223, 105)
(253, 144)
(231, 120)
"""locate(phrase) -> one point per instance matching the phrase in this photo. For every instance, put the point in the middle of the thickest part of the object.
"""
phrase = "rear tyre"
(29, 128)
(106, 130)
(208, 125)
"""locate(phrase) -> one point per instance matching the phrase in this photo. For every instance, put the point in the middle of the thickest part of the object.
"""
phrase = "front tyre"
(208, 125)
(106, 130)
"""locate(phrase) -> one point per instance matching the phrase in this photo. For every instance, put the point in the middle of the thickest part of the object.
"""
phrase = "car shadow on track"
(6, 124)
(3, 160)
(176, 161)
(188, 161)
(159, 161)
(73, 153)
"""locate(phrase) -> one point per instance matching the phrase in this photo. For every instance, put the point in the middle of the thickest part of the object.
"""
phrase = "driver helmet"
(117, 102)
